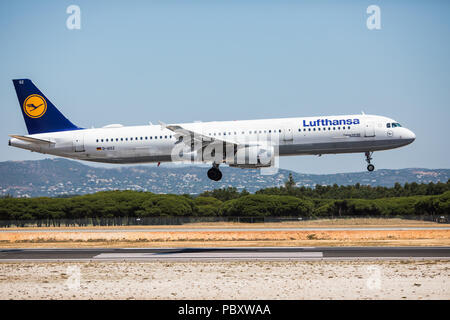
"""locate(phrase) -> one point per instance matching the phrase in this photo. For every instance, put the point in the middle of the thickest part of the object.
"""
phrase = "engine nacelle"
(253, 157)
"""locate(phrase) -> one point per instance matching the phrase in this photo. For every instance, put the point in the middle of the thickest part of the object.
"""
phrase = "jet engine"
(253, 157)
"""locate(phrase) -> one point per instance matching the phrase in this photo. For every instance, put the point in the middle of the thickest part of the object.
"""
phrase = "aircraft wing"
(180, 131)
(32, 140)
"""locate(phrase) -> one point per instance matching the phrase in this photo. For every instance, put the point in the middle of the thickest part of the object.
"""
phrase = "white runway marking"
(212, 255)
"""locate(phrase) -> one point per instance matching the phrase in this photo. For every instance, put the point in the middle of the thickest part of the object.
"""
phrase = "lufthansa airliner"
(242, 144)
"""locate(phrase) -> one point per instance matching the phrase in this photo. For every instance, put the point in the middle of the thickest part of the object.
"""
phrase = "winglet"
(162, 124)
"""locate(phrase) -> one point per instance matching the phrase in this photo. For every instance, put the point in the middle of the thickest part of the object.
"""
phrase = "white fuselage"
(292, 136)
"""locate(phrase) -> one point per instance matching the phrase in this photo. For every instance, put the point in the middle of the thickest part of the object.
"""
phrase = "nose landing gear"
(214, 173)
(370, 166)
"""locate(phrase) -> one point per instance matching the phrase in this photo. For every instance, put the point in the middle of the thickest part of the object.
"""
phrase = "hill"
(60, 177)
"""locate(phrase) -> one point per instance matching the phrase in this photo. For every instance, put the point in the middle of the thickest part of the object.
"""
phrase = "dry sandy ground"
(402, 279)
(322, 223)
(202, 238)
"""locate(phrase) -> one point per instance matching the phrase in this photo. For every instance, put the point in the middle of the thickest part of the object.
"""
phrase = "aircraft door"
(369, 129)
(288, 135)
(78, 143)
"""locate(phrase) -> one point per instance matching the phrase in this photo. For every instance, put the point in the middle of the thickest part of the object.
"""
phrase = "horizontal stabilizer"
(32, 140)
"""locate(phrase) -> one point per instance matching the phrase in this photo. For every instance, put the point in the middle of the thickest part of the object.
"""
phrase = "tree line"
(356, 191)
(117, 206)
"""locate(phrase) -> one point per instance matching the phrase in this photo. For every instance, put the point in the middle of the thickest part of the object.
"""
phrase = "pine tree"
(290, 183)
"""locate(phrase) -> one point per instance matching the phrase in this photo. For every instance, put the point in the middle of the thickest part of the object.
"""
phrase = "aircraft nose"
(409, 136)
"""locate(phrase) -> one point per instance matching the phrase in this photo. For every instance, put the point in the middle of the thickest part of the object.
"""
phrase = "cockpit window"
(388, 125)
(396, 124)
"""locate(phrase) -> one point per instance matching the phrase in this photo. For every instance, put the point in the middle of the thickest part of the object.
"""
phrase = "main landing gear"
(214, 173)
(370, 166)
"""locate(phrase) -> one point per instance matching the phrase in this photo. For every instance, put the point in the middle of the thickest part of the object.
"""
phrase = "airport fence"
(170, 220)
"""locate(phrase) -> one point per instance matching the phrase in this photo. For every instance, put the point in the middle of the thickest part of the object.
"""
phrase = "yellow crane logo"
(35, 106)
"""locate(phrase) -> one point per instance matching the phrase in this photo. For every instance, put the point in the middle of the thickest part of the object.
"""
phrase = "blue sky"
(181, 61)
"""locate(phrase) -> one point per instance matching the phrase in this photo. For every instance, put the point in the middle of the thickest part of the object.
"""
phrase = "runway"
(245, 253)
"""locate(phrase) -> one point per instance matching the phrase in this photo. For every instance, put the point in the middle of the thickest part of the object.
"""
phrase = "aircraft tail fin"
(39, 113)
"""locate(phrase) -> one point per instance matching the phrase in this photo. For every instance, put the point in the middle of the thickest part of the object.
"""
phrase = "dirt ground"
(385, 279)
(320, 223)
(202, 238)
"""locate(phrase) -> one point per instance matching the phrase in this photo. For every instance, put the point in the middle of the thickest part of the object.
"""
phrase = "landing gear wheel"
(214, 174)
(370, 166)
(219, 175)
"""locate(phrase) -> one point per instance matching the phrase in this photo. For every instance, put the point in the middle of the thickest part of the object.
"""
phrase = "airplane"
(242, 144)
